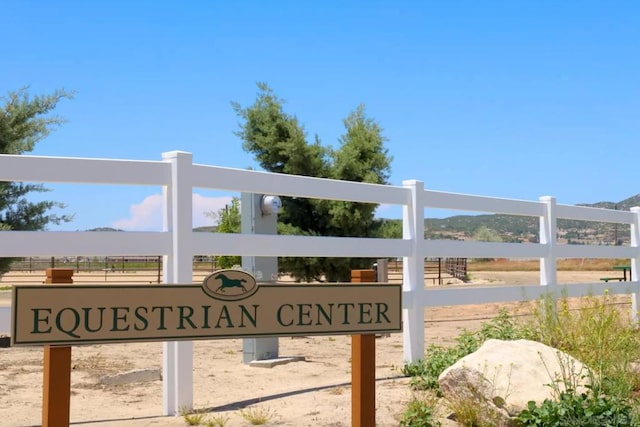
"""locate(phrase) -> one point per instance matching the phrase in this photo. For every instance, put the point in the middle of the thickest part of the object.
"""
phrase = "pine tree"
(24, 121)
(279, 143)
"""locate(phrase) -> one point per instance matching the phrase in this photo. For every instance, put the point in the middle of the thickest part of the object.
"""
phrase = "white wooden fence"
(178, 176)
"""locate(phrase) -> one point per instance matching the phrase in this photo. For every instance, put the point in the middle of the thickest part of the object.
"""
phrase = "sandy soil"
(313, 392)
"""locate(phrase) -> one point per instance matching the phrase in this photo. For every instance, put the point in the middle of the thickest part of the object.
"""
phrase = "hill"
(525, 229)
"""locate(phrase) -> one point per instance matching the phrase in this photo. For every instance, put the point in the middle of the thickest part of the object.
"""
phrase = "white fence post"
(413, 274)
(548, 231)
(635, 262)
(177, 358)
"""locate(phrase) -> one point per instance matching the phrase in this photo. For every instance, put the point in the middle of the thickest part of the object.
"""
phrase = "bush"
(424, 373)
(584, 410)
(419, 413)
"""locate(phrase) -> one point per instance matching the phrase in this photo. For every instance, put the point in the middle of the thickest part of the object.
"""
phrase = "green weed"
(419, 413)
(584, 409)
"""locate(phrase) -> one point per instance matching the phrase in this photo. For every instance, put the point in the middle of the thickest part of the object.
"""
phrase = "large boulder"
(503, 376)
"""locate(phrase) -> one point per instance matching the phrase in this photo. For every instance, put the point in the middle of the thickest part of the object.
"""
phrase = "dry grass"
(257, 415)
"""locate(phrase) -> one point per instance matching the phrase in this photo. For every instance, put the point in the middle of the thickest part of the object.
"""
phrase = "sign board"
(228, 304)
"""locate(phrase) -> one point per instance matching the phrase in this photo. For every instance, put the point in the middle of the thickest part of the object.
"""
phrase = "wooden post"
(56, 389)
(363, 368)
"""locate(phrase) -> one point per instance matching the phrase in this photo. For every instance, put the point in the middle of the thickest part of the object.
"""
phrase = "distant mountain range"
(513, 228)
(525, 229)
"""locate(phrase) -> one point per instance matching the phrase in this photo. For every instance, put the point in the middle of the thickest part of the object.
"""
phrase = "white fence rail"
(178, 176)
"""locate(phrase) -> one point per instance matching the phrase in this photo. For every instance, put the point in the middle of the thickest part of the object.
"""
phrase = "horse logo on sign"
(230, 285)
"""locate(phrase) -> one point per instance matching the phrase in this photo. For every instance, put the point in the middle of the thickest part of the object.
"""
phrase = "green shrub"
(501, 327)
(424, 373)
(419, 413)
(584, 410)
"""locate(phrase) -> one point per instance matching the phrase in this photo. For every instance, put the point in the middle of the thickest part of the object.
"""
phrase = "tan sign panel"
(228, 304)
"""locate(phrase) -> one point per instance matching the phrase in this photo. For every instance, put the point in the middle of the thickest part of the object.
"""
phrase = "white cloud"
(202, 204)
(147, 215)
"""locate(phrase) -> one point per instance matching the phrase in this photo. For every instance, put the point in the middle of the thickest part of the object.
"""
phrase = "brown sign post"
(56, 389)
(363, 368)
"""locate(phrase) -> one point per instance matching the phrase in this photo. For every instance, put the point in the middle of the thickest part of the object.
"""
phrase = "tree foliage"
(486, 234)
(24, 121)
(390, 229)
(228, 219)
(279, 143)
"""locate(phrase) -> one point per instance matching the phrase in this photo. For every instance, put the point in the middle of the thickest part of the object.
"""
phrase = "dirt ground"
(313, 392)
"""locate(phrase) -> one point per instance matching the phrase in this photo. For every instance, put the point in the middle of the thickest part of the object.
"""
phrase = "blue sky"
(500, 98)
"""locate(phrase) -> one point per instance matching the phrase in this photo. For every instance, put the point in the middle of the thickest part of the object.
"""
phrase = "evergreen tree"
(279, 144)
(24, 121)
